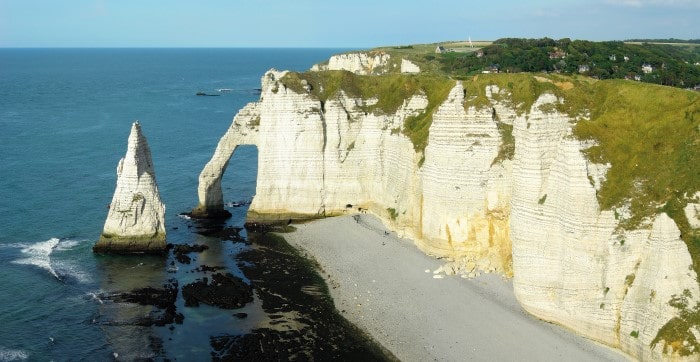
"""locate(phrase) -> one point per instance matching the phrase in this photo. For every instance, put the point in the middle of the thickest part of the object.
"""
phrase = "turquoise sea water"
(65, 116)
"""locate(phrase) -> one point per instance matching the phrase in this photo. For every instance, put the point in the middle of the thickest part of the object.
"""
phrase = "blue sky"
(354, 23)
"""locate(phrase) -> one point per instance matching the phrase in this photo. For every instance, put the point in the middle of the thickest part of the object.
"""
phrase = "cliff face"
(358, 63)
(501, 186)
(136, 219)
(367, 64)
(572, 262)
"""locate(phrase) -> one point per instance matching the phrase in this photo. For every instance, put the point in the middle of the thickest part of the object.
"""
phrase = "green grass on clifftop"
(649, 134)
(390, 91)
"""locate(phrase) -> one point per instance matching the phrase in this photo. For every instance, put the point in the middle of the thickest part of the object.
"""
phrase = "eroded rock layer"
(136, 219)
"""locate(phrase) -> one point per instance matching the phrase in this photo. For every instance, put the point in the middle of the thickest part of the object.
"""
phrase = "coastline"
(385, 286)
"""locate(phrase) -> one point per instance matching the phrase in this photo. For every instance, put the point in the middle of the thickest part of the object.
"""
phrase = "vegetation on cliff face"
(651, 137)
(677, 333)
(649, 134)
(523, 89)
(390, 91)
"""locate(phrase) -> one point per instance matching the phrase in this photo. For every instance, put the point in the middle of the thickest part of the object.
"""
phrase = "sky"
(336, 24)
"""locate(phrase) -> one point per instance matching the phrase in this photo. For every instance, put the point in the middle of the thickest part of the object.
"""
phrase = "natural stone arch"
(243, 131)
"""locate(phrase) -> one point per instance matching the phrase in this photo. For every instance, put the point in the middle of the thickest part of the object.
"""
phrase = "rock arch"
(243, 131)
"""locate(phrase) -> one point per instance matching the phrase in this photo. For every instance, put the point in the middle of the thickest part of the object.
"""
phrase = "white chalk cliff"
(366, 64)
(136, 219)
(408, 66)
(533, 216)
(359, 63)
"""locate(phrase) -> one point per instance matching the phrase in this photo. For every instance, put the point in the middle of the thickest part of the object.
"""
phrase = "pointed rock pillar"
(136, 219)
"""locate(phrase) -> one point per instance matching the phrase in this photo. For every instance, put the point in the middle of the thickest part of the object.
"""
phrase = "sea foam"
(12, 355)
(40, 255)
(67, 244)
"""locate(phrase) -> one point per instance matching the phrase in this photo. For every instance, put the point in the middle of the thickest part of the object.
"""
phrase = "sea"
(65, 115)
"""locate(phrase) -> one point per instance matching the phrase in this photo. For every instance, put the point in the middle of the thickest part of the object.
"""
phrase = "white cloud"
(656, 3)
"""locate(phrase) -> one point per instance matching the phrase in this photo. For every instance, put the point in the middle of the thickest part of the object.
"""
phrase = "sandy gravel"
(380, 283)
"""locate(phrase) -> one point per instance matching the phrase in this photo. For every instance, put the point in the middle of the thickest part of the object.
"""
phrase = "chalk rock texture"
(572, 264)
(408, 66)
(358, 63)
(136, 219)
(531, 214)
(692, 212)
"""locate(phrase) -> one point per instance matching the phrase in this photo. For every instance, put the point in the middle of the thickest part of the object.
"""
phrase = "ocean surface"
(65, 115)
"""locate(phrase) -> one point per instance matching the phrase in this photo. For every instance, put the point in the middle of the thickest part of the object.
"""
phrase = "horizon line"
(359, 47)
(181, 47)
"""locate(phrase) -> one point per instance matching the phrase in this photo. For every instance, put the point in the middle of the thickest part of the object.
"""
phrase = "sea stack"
(136, 219)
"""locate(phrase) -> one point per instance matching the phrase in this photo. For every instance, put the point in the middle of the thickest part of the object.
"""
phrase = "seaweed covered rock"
(225, 291)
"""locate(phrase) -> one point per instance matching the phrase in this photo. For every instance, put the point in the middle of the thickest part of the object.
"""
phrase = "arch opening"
(239, 181)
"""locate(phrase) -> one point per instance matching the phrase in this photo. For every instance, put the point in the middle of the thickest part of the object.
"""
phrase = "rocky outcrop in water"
(136, 219)
(225, 291)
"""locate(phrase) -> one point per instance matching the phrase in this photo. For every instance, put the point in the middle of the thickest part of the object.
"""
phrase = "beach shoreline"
(386, 286)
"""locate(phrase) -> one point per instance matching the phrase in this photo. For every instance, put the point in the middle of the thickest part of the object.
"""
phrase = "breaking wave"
(95, 296)
(39, 255)
(67, 244)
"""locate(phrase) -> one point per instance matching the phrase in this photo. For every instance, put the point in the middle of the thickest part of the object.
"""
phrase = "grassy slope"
(649, 134)
(391, 91)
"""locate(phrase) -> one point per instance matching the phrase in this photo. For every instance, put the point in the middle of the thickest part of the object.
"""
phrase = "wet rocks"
(162, 299)
(181, 250)
(225, 291)
(264, 344)
(303, 325)
(224, 233)
(205, 268)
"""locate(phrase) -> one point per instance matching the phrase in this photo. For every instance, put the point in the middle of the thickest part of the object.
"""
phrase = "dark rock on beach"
(261, 345)
(224, 233)
(183, 258)
(216, 227)
(162, 299)
(225, 291)
(205, 268)
(306, 325)
(264, 228)
(213, 214)
(181, 251)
